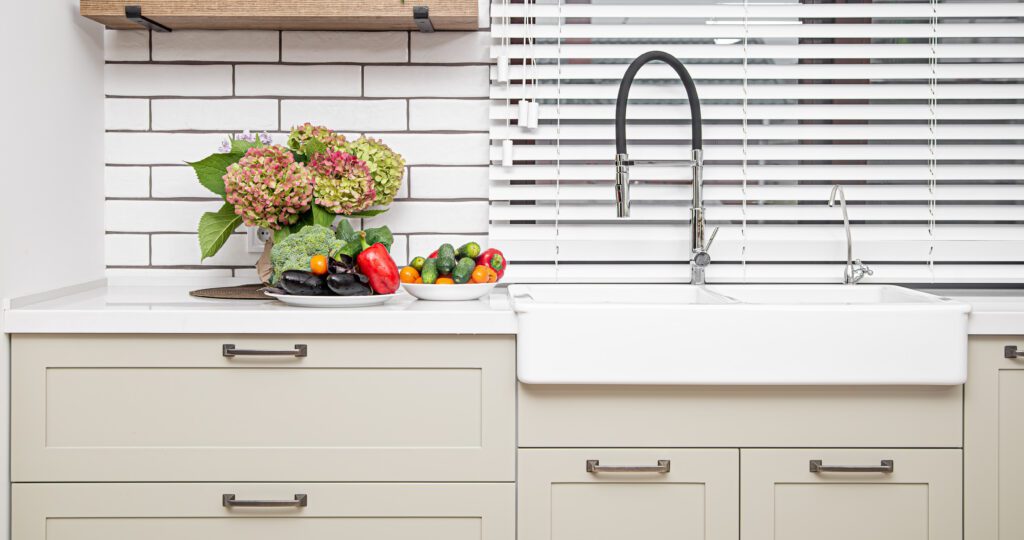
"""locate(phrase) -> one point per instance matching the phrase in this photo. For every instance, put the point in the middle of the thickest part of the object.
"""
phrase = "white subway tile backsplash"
(159, 148)
(421, 245)
(216, 46)
(354, 47)
(202, 86)
(126, 182)
(183, 249)
(156, 216)
(126, 45)
(126, 113)
(178, 182)
(433, 217)
(126, 249)
(450, 183)
(400, 250)
(298, 81)
(448, 114)
(439, 148)
(214, 114)
(166, 80)
(346, 115)
(450, 47)
(425, 81)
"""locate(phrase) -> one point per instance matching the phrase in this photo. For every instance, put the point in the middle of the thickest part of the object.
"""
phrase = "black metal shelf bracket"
(134, 13)
(421, 16)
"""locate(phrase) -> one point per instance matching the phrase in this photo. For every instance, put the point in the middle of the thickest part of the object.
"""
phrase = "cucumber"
(463, 270)
(445, 259)
(429, 272)
(471, 250)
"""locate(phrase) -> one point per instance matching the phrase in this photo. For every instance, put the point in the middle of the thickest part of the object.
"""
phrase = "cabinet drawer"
(740, 416)
(920, 499)
(355, 408)
(676, 494)
(332, 511)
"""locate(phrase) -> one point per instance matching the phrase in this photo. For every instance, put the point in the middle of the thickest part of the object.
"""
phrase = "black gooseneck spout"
(699, 257)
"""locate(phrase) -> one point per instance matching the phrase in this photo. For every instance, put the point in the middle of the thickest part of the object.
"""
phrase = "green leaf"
(345, 232)
(351, 248)
(322, 217)
(281, 234)
(368, 213)
(239, 146)
(215, 228)
(211, 169)
(380, 235)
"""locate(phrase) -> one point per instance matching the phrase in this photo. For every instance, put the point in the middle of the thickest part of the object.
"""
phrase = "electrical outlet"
(256, 238)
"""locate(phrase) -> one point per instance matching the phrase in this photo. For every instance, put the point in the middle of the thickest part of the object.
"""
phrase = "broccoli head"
(295, 251)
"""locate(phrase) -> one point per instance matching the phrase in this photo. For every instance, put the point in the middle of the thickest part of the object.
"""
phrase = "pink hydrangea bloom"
(342, 182)
(268, 187)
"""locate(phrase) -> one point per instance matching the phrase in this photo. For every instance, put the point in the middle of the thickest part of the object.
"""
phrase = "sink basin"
(738, 335)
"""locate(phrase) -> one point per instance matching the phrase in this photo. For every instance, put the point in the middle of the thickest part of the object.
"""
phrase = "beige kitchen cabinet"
(994, 439)
(599, 494)
(175, 511)
(598, 416)
(180, 409)
(805, 494)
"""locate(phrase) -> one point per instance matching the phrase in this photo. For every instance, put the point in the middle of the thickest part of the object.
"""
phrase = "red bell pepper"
(377, 265)
(495, 259)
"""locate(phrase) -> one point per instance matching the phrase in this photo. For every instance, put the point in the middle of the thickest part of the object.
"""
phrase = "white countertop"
(168, 309)
(131, 306)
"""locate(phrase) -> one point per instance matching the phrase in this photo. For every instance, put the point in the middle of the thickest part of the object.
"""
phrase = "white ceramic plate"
(452, 293)
(332, 301)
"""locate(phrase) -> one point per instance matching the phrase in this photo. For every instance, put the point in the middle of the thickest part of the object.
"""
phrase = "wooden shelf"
(285, 14)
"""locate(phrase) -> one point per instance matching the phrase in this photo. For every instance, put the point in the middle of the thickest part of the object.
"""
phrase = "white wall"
(51, 147)
(173, 97)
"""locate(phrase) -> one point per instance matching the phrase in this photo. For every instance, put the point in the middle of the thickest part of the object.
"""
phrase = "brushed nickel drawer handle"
(594, 466)
(885, 467)
(1010, 351)
(229, 501)
(229, 351)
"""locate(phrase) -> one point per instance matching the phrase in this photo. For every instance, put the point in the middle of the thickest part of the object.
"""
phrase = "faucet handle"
(711, 240)
(860, 270)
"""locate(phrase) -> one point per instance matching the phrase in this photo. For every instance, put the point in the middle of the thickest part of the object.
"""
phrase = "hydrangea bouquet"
(317, 177)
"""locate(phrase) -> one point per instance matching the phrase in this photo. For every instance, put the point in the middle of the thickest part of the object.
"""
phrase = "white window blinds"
(915, 107)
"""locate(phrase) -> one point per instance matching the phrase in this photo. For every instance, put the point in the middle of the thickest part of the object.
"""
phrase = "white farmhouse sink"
(738, 335)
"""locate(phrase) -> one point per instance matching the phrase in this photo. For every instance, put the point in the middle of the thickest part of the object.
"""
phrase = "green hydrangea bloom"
(308, 139)
(386, 166)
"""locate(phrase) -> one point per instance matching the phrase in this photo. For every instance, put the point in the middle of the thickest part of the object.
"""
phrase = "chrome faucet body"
(855, 269)
(699, 257)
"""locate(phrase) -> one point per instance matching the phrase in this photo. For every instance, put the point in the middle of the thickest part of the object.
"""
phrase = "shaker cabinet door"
(851, 494)
(256, 511)
(602, 494)
(994, 439)
(230, 408)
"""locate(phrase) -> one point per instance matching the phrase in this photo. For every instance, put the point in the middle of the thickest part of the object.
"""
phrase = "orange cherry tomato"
(479, 274)
(444, 281)
(419, 280)
(318, 265)
(408, 275)
(492, 275)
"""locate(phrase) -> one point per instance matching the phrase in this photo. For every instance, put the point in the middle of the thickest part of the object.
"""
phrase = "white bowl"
(451, 293)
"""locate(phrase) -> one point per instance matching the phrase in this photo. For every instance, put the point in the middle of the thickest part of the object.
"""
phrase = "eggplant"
(301, 283)
(348, 285)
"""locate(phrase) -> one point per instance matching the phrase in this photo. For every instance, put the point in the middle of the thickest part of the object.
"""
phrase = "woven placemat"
(252, 291)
